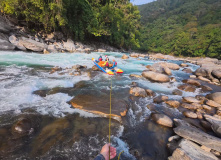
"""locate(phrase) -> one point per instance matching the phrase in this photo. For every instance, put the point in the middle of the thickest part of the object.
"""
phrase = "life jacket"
(115, 63)
(106, 64)
(100, 59)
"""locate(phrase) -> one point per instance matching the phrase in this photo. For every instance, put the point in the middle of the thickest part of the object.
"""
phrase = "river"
(61, 132)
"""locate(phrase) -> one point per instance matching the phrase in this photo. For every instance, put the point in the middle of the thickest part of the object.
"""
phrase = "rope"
(110, 118)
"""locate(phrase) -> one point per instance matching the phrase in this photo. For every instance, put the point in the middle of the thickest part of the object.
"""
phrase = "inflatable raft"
(111, 70)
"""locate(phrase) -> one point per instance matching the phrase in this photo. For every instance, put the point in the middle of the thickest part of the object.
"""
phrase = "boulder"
(95, 68)
(187, 88)
(190, 114)
(187, 70)
(69, 45)
(101, 50)
(167, 71)
(191, 151)
(172, 79)
(189, 106)
(138, 92)
(203, 79)
(150, 93)
(172, 103)
(135, 75)
(160, 99)
(183, 65)
(4, 26)
(162, 120)
(124, 56)
(17, 43)
(189, 132)
(192, 82)
(215, 97)
(205, 88)
(216, 73)
(216, 124)
(32, 44)
(45, 51)
(157, 77)
(172, 66)
(100, 105)
(208, 108)
(212, 103)
(52, 48)
(135, 55)
(151, 68)
(4, 43)
(202, 72)
(177, 92)
(190, 100)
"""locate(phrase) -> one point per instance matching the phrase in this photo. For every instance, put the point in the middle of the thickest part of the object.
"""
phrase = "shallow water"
(62, 132)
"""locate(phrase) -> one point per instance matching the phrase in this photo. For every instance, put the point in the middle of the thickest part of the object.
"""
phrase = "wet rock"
(167, 71)
(216, 73)
(206, 88)
(52, 48)
(95, 68)
(202, 72)
(190, 114)
(160, 99)
(138, 92)
(191, 133)
(134, 84)
(17, 43)
(45, 51)
(172, 79)
(4, 43)
(162, 120)
(216, 124)
(187, 70)
(187, 88)
(212, 103)
(124, 56)
(190, 100)
(203, 79)
(135, 75)
(207, 107)
(50, 135)
(192, 82)
(151, 107)
(200, 98)
(199, 115)
(172, 138)
(189, 106)
(177, 92)
(192, 76)
(206, 125)
(191, 151)
(100, 106)
(101, 50)
(150, 93)
(157, 77)
(151, 68)
(172, 103)
(172, 66)
(22, 127)
(215, 97)
(41, 93)
(183, 65)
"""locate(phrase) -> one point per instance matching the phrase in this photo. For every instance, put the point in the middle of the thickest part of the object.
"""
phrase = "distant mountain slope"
(182, 27)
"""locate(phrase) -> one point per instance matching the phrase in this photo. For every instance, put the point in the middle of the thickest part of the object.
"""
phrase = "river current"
(81, 134)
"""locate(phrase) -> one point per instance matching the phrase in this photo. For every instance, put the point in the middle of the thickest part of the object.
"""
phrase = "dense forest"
(182, 27)
(178, 27)
(115, 22)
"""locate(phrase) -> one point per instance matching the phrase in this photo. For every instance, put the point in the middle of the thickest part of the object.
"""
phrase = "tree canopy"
(182, 27)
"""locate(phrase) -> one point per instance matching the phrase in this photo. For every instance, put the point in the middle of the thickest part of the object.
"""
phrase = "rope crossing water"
(110, 124)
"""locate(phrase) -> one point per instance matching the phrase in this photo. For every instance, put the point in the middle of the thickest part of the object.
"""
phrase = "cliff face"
(14, 37)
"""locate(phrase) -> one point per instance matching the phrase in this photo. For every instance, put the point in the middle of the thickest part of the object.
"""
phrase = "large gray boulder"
(191, 151)
(157, 77)
(69, 45)
(172, 66)
(32, 45)
(4, 43)
(216, 124)
(15, 41)
(216, 74)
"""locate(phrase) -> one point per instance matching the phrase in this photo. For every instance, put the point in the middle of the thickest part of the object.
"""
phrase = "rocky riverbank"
(13, 37)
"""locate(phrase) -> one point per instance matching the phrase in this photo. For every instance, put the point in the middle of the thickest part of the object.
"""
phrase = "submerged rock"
(192, 82)
(187, 70)
(160, 99)
(124, 56)
(100, 105)
(135, 75)
(190, 100)
(162, 120)
(157, 77)
(23, 126)
(172, 103)
(190, 114)
(177, 92)
(187, 88)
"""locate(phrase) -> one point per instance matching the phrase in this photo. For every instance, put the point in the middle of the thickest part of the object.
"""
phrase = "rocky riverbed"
(55, 106)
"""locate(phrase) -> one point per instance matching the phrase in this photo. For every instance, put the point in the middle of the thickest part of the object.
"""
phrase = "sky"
(139, 2)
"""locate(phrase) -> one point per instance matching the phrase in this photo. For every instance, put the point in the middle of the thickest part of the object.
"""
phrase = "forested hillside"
(113, 22)
(182, 27)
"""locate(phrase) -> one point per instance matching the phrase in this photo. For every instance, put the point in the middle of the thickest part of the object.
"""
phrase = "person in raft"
(114, 63)
(104, 153)
(100, 58)
(106, 63)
